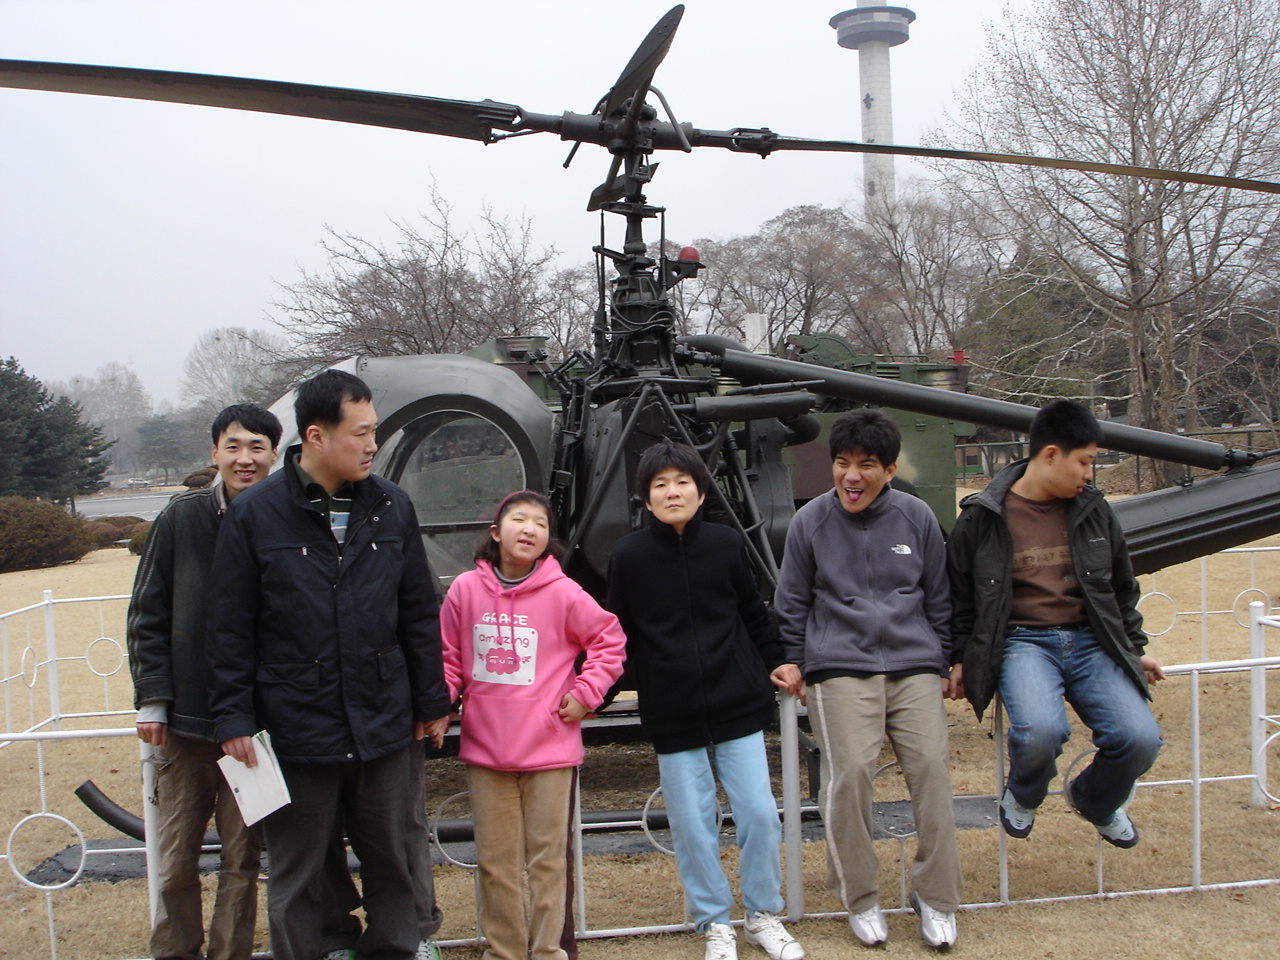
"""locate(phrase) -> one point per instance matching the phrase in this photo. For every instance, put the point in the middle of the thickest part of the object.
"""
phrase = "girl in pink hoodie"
(512, 630)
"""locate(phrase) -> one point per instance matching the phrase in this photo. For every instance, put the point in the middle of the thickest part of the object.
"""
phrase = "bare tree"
(114, 399)
(234, 365)
(517, 296)
(1184, 84)
(794, 271)
(576, 298)
(440, 289)
(917, 270)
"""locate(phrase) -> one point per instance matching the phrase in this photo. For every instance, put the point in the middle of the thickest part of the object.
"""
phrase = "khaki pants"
(521, 845)
(190, 789)
(850, 716)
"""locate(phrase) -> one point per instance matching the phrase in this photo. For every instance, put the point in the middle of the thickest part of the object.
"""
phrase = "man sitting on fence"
(1045, 606)
(166, 631)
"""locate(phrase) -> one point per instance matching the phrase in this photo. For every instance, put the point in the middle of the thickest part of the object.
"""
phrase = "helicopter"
(460, 431)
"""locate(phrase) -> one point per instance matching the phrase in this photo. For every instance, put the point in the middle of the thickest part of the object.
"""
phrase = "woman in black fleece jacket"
(704, 658)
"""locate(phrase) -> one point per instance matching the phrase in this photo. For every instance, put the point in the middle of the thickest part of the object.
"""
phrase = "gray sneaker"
(427, 950)
(1119, 831)
(1016, 819)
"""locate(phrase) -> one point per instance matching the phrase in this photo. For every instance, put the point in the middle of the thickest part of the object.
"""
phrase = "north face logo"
(901, 548)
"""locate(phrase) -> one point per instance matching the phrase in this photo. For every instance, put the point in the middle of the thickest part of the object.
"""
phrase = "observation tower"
(872, 29)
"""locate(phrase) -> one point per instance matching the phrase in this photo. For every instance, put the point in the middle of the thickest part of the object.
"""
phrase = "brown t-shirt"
(1045, 592)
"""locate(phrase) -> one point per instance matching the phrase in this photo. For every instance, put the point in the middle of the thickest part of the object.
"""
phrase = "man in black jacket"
(1045, 607)
(326, 635)
(166, 634)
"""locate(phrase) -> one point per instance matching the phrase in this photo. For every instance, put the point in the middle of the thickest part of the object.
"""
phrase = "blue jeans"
(689, 786)
(1041, 667)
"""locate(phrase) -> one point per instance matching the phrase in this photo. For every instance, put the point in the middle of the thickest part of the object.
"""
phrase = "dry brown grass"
(97, 921)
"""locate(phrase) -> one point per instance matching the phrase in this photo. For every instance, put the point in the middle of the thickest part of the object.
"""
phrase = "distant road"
(144, 505)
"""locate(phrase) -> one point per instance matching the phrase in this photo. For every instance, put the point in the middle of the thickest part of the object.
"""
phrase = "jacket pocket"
(303, 674)
(286, 696)
(387, 549)
(390, 663)
(509, 732)
(1094, 561)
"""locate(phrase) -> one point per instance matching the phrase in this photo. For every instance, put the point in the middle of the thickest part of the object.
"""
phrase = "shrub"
(200, 478)
(120, 522)
(138, 537)
(104, 534)
(39, 534)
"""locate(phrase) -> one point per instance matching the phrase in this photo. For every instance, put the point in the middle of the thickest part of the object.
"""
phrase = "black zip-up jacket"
(980, 564)
(334, 653)
(168, 610)
(700, 642)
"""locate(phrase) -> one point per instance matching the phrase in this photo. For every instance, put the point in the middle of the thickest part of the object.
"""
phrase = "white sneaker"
(343, 953)
(869, 926)
(937, 929)
(766, 931)
(722, 942)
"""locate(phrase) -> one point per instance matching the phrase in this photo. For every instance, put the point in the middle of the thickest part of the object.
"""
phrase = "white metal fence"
(44, 651)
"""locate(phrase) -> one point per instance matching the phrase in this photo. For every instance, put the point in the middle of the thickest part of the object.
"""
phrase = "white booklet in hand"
(259, 790)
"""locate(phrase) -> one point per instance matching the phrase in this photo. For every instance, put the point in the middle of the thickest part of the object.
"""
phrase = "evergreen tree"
(47, 448)
(162, 444)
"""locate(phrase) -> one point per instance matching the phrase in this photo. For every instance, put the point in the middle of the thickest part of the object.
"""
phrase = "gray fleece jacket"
(865, 592)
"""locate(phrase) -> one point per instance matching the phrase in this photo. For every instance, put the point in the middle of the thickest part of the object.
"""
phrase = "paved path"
(144, 505)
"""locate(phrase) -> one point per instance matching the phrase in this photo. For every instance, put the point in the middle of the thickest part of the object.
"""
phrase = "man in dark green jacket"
(1045, 607)
(166, 635)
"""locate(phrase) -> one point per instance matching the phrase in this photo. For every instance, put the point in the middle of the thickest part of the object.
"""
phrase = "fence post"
(51, 652)
(792, 840)
(1258, 702)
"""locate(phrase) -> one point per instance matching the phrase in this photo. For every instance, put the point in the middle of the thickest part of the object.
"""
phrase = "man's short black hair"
(250, 416)
(1065, 424)
(869, 431)
(320, 399)
(666, 455)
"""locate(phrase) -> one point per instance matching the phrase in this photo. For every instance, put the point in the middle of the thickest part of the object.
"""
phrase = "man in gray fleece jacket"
(863, 604)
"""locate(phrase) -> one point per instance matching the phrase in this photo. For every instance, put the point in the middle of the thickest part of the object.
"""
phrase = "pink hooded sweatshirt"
(511, 651)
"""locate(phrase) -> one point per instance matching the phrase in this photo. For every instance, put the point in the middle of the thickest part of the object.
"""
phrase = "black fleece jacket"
(700, 642)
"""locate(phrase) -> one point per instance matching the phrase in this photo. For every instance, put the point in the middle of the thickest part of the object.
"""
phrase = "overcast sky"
(129, 228)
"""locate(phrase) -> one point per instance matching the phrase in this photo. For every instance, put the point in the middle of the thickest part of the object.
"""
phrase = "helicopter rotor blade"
(465, 119)
(638, 73)
(764, 142)
(489, 121)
